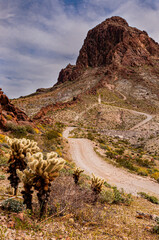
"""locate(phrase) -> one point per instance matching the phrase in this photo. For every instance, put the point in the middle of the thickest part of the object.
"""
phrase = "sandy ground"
(83, 154)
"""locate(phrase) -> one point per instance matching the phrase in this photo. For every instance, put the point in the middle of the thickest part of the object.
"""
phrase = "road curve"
(84, 156)
(148, 118)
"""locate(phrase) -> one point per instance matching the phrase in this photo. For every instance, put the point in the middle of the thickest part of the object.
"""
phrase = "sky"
(40, 37)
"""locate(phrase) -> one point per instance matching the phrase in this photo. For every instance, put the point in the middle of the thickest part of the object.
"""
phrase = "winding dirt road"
(83, 154)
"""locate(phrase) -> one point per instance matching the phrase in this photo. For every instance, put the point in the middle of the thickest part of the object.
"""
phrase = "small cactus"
(76, 175)
(39, 174)
(17, 160)
(96, 186)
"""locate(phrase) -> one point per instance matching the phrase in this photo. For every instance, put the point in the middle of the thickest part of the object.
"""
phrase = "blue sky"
(40, 37)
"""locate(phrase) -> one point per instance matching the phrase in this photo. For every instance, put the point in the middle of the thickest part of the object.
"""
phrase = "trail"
(83, 154)
(148, 116)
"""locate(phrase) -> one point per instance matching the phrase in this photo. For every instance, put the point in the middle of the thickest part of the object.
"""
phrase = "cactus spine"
(76, 175)
(17, 160)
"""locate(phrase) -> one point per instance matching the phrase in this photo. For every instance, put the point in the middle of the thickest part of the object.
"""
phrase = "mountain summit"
(123, 56)
(113, 44)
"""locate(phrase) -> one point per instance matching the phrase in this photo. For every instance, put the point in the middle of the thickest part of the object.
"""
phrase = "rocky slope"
(10, 113)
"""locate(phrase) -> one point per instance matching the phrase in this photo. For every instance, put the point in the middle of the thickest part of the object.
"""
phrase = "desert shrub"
(120, 151)
(107, 185)
(52, 134)
(59, 126)
(2, 138)
(68, 196)
(11, 127)
(126, 162)
(17, 131)
(3, 160)
(12, 205)
(143, 163)
(143, 173)
(111, 154)
(118, 198)
(107, 197)
(156, 229)
(30, 129)
(152, 199)
(121, 197)
(90, 136)
(155, 175)
(101, 140)
(2, 177)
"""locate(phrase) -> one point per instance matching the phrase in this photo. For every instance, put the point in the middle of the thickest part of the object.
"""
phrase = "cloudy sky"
(40, 37)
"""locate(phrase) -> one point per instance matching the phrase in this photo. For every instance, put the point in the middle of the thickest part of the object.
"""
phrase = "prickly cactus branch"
(17, 160)
(27, 178)
(76, 175)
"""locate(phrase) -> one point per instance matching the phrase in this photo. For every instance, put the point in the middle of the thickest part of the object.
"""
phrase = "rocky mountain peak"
(112, 44)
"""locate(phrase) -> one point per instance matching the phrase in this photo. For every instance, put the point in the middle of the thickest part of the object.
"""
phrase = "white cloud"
(38, 38)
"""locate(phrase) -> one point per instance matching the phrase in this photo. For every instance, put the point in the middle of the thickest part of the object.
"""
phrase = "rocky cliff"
(10, 113)
(120, 52)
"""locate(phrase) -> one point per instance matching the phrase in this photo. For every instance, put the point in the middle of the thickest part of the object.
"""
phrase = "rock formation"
(8, 112)
(113, 46)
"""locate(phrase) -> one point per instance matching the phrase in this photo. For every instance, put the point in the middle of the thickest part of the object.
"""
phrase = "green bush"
(52, 134)
(156, 229)
(125, 162)
(2, 177)
(114, 196)
(12, 205)
(120, 151)
(17, 131)
(3, 160)
(107, 197)
(90, 136)
(30, 129)
(152, 199)
(120, 197)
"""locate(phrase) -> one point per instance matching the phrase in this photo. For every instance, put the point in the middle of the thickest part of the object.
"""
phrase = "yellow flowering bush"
(2, 138)
(155, 175)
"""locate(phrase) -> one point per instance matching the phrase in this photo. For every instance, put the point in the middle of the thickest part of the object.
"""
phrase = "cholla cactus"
(39, 174)
(96, 186)
(17, 160)
(76, 175)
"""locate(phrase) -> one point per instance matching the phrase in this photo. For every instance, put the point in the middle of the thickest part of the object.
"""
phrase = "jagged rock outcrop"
(114, 46)
(8, 112)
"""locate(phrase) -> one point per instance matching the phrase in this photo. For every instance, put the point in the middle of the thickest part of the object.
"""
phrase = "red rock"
(52, 107)
(7, 108)
(114, 46)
